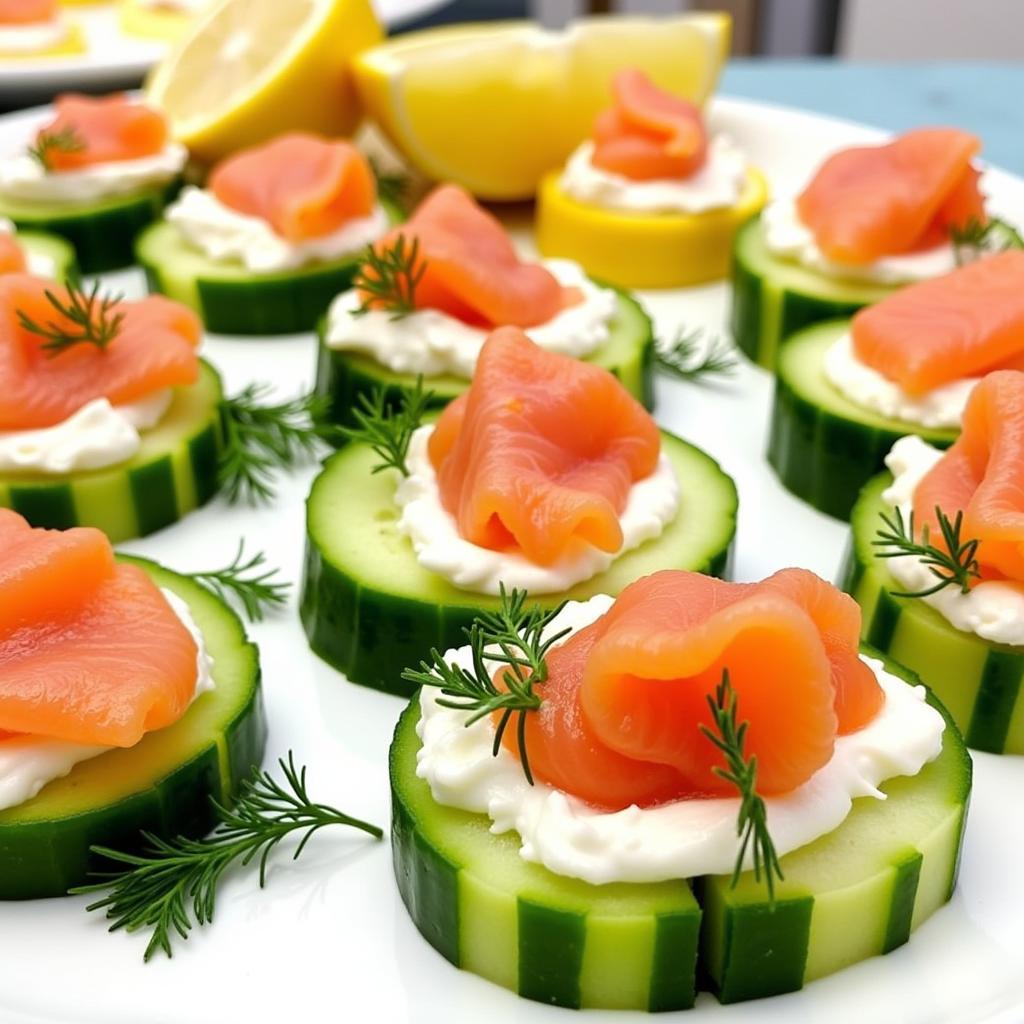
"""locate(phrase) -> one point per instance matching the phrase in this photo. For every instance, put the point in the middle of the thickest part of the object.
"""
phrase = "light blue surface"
(987, 99)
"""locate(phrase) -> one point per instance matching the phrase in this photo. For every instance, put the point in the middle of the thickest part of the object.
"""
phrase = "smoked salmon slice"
(873, 201)
(27, 12)
(105, 660)
(105, 129)
(649, 133)
(12, 256)
(540, 454)
(154, 349)
(962, 324)
(625, 698)
(471, 268)
(303, 185)
(982, 475)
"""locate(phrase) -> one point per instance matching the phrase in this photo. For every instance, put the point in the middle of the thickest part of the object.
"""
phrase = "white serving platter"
(329, 940)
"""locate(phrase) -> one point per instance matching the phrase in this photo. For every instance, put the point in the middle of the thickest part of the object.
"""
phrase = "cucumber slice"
(979, 681)
(51, 250)
(855, 893)
(824, 447)
(163, 784)
(231, 299)
(174, 471)
(772, 298)
(370, 609)
(344, 376)
(102, 232)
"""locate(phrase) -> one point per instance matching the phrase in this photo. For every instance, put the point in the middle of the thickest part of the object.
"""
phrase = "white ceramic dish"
(329, 939)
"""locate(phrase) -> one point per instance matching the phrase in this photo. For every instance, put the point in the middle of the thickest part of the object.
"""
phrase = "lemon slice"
(495, 106)
(250, 69)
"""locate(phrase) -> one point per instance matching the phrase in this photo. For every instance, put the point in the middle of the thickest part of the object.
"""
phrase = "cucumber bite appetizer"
(846, 391)
(96, 173)
(159, 19)
(650, 201)
(129, 697)
(698, 783)
(36, 28)
(433, 289)
(279, 230)
(936, 564)
(546, 475)
(871, 219)
(35, 252)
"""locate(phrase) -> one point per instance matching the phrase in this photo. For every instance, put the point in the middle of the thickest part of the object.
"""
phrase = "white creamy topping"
(31, 38)
(433, 343)
(992, 609)
(224, 234)
(683, 839)
(23, 177)
(785, 235)
(27, 763)
(652, 503)
(719, 183)
(98, 435)
(865, 386)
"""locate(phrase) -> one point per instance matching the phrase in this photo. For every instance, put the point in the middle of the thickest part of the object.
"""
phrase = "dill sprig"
(392, 186)
(176, 880)
(386, 428)
(261, 436)
(388, 278)
(953, 564)
(977, 238)
(91, 315)
(63, 140)
(741, 771)
(513, 635)
(253, 593)
(690, 358)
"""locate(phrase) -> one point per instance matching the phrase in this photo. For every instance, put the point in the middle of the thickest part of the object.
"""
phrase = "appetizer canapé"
(36, 28)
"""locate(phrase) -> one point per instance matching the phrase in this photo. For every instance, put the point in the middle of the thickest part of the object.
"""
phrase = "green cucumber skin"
(45, 843)
(822, 448)
(980, 682)
(343, 377)
(103, 233)
(372, 626)
(150, 492)
(56, 249)
(773, 299)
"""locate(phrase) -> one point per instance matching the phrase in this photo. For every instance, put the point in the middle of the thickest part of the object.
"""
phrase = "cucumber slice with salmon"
(342, 377)
(174, 472)
(164, 784)
(49, 255)
(370, 609)
(822, 446)
(980, 682)
(773, 298)
(852, 894)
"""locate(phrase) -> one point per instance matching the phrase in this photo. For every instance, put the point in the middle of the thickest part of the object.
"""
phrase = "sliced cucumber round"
(824, 447)
(174, 471)
(980, 682)
(772, 297)
(343, 376)
(102, 232)
(230, 298)
(371, 610)
(49, 255)
(852, 894)
(163, 784)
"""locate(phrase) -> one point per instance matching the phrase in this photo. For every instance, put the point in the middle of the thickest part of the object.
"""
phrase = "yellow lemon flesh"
(251, 69)
(643, 250)
(493, 107)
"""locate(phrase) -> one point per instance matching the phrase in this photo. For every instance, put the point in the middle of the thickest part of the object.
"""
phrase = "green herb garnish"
(63, 140)
(689, 358)
(392, 186)
(253, 593)
(386, 428)
(953, 564)
(91, 315)
(513, 636)
(388, 278)
(977, 238)
(174, 881)
(741, 771)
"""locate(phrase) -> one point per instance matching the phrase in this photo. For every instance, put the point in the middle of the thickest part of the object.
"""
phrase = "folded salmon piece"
(867, 202)
(649, 134)
(26, 12)
(12, 256)
(959, 325)
(154, 349)
(541, 452)
(303, 185)
(625, 698)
